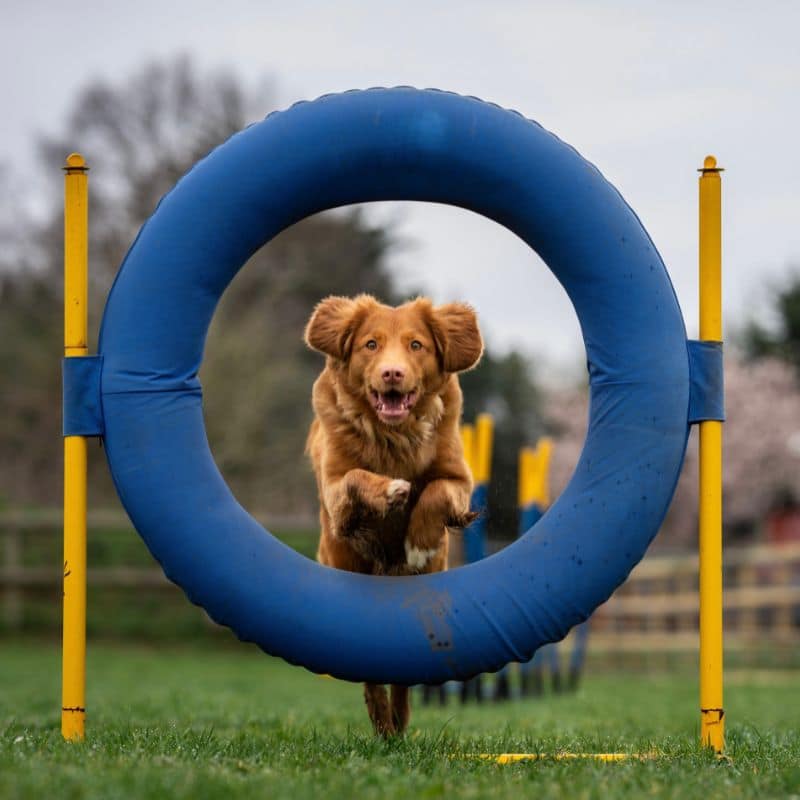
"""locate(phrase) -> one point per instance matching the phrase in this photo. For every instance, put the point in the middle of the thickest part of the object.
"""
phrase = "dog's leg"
(377, 701)
(401, 707)
(358, 489)
(443, 503)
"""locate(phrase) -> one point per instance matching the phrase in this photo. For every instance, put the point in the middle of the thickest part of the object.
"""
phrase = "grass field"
(201, 723)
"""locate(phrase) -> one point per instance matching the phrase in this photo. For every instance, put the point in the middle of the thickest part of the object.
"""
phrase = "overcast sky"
(644, 90)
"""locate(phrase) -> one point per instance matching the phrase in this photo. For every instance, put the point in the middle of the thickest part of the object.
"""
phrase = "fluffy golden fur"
(385, 444)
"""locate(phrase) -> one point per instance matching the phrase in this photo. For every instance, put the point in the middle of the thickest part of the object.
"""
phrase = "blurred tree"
(140, 136)
(783, 339)
(30, 387)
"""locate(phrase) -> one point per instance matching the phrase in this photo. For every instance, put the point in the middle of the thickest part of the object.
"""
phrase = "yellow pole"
(545, 451)
(524, 473)
(76, 257)
(484, 433)
(468, 445)
(712, 716)
(531, 475)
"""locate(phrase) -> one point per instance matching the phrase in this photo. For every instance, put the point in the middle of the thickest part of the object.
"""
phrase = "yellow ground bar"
(512, 758)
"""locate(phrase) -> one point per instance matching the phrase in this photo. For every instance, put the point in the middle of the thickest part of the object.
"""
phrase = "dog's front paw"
(397, 493)
(417, 558)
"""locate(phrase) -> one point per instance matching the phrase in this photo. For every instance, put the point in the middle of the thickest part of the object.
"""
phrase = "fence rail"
(29, 519)
(655, 610)
(20, 580)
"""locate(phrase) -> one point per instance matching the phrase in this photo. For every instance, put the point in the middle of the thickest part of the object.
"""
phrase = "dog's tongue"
(393, 406)
(392, 401)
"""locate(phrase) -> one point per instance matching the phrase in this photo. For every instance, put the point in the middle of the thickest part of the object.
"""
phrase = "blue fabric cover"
(707, 388)
(81, 402)
(395, 144)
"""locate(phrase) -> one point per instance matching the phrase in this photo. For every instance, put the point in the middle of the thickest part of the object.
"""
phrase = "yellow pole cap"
(710, 165)
(76, 162)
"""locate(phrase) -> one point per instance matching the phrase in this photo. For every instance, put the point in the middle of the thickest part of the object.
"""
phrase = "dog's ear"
(333, 323)
(458, 339)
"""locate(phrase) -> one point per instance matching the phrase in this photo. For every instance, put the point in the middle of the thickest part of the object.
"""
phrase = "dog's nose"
(392, 374)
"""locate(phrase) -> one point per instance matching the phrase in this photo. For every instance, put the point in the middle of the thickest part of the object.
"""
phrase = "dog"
(385, 445)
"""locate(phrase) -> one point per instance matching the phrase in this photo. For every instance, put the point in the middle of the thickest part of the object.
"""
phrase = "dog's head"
(394, 358)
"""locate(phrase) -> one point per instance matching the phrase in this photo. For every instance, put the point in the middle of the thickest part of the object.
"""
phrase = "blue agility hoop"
(395, 144)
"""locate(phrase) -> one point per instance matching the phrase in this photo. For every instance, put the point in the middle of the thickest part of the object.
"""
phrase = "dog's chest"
(406, 454)
(400, 458)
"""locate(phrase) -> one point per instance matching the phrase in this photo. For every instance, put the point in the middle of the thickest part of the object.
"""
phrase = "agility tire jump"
(357, 147)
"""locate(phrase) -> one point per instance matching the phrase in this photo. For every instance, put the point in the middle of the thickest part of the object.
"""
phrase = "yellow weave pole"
(712, 715)
(76, 279)
(526, 466)
(545, 451)
(468, 445)
(484, 436)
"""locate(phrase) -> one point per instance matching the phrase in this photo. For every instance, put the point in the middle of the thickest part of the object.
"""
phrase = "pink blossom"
(761, 449)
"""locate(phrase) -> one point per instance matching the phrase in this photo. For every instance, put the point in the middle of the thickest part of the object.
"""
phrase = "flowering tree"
(761, 449)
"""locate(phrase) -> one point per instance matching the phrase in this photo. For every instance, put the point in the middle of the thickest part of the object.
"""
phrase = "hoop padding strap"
(395, 144)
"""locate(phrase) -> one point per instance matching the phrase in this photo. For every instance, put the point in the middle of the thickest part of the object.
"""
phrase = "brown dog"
(385, 443)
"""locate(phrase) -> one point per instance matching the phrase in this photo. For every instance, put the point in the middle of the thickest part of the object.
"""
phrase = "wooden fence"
(655, 611)
(21, 530)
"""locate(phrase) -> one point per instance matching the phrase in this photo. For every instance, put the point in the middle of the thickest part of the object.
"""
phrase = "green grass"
(202, 723)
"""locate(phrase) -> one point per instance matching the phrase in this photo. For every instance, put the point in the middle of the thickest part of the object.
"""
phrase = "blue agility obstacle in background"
(395, 144)
(475, 536)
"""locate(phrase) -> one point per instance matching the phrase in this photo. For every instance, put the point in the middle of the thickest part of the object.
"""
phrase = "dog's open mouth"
(393, 406)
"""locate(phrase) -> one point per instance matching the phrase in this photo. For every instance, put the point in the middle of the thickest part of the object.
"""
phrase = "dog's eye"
(416, 345)
(371, 345)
